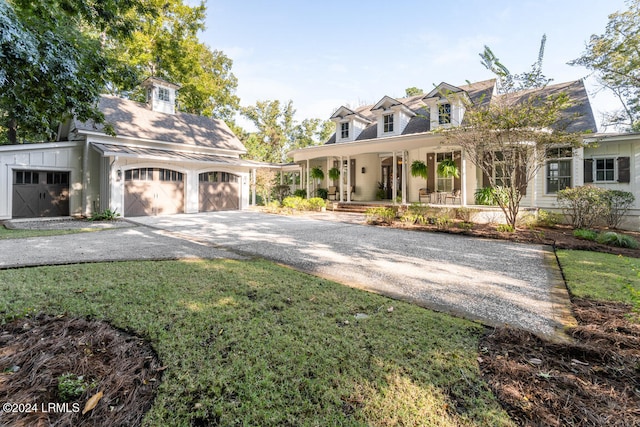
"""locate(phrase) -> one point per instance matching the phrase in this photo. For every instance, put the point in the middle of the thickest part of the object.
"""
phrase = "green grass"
(601, 276)
(6, 233)
(253, 343)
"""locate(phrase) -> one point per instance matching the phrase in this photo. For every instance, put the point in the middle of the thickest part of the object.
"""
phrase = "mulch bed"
(36, 352)
(594, 381)
(560, 236)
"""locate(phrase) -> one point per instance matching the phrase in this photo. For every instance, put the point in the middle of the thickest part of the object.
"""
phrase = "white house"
(374, 144)
(159, 162)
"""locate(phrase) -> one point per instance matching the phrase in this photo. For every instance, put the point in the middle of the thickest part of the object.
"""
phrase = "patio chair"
(455, 195)
(424, 193)
(332, 192)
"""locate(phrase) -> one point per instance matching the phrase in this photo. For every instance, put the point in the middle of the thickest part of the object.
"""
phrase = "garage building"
(158, 162)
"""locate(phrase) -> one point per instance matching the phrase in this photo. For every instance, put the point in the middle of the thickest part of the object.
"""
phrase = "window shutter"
(588, 170)
(624, 169)
(431, 170)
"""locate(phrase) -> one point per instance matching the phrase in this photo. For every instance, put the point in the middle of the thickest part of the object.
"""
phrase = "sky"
(326, 54)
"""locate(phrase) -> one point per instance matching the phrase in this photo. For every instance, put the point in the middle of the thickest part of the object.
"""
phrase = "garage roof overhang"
(112, 150)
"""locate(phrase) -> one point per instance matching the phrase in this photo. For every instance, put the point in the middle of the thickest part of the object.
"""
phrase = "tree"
(166, 45)
(413, 91)
(508, 139)
(52, 62)
(615, 57)
(312, 132)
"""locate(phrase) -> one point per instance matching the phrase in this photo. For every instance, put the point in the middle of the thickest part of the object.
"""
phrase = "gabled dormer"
(392, 116)
(446, 105)
(349, 124)
(161, 95)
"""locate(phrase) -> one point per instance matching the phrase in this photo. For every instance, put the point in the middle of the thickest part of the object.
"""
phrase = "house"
(374, 145)
(159, 161)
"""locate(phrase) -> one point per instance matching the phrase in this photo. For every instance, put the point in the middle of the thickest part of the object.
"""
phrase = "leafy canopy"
(615, 58)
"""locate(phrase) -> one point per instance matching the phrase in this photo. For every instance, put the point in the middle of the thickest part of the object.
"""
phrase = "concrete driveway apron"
(495, 282)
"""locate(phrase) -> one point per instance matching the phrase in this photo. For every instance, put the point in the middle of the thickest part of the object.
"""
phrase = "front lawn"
(253, 343)
(602, 277)
(6, 233)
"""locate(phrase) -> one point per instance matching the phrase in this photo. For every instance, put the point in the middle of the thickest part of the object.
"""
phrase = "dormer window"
(387, 123)
(163, 94)
(344, 130)
(444, 114)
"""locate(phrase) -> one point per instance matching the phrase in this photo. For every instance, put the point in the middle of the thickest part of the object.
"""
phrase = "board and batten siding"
(63, 157)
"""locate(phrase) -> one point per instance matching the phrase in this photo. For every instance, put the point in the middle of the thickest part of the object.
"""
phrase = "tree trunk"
(12, 131)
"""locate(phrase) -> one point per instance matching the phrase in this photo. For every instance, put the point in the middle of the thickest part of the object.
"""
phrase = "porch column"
(394, 175)
(463, 179)
(348, 178)
(341, 186)
(253, 186)
(308, 181)
(403, 178)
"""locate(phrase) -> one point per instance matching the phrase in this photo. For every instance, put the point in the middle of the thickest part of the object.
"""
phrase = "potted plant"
(447, 168)
(334, 174)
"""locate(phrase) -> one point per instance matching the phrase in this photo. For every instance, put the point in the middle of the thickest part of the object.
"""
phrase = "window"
(216, 177)
(605, 169)
(501, 173)
(444, 183)
(387, 123)
(163, 94)
(558, 169)
(444, 114)
(344, 130)
(58, 178)
(141, 174)
(27, 177)
(169, 175)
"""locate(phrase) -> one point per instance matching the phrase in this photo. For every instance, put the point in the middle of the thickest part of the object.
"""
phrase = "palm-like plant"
(334, 174)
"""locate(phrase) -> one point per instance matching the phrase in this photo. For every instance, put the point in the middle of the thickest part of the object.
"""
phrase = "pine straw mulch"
(593, 381)
(35, 352)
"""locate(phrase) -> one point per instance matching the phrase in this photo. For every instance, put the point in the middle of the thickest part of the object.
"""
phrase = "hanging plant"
(334, 174)
(447, 168)
(316, 173)
(419, 169)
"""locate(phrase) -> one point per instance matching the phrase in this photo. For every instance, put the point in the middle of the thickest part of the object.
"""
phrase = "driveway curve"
(495, 282)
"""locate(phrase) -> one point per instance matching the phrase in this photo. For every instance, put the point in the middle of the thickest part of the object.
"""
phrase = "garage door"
(40, 193)
(219, 191)
(153, 191)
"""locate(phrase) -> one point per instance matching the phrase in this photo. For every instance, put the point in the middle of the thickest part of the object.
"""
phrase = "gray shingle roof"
(137, 120)
(577, 118)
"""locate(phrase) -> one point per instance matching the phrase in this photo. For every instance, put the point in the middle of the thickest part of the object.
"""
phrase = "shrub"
(465, 225)
(322, 193)
(300, 192)
(443, 222)
(273, 206)
(583, 205)
(548, 219)
(464, 213)
(485, 196)
(585, 234)
(282, 191)
(105, 215)
(380, 215)
(316, 204)
(505, 228)
(614, 239)
(416, 213)
(618, 203)
(293, 202)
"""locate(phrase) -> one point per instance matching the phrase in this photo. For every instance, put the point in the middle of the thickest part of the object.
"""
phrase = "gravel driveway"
(495, 282)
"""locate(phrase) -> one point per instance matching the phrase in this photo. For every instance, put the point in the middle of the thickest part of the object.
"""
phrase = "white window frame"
(164, 94)
(558, 160)
(614, 169)
(387, 123)
(444, 184)
(442, 114)
(345, 130)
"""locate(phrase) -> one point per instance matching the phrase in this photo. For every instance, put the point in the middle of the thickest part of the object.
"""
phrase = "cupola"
(161, 95)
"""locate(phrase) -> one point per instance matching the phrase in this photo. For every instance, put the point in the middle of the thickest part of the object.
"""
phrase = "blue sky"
(322, 55)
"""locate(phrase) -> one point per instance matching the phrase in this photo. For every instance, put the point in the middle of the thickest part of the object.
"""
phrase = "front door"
(40, 194)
